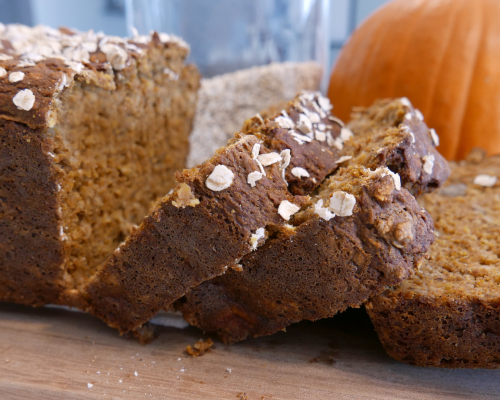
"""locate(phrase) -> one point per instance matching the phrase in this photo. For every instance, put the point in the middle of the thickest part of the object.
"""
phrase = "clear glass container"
(227, 35)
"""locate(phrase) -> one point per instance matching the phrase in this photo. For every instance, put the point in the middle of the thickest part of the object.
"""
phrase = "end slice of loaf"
(323, 263)
(92, 129)
(448, 313)
(218, 213)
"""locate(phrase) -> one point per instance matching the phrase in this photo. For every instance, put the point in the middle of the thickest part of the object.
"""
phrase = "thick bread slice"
(212, 218)
(448, 313)
(323, 264)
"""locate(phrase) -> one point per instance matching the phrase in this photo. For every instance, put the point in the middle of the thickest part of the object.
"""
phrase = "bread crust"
(83, 162)
(448, 314)
(322, 267)
(31, 253)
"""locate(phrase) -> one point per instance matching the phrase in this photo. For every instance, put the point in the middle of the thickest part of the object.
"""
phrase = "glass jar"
(228, 35)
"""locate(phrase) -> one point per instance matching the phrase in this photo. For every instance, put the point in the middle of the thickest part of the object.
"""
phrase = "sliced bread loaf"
(361, 231)
(217, 214)
(448, 313)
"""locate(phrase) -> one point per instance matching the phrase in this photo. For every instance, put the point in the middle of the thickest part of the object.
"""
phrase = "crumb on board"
(145, 334)
(199, 348)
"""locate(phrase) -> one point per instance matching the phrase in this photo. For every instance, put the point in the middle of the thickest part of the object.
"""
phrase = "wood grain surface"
(48, 354)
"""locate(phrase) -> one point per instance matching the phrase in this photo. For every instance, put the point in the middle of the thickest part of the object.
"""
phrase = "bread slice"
(217, 214)
(92, 128)
(322, 264)
(448, 313)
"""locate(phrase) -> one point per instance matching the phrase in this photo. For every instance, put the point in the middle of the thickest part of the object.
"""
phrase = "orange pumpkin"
(444, 55)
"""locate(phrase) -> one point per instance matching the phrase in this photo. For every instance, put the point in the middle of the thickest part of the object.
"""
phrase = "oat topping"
(323, 212)
(255, 150)
(342, 159)
(220, 178)
(286, 157)
(284, 122)
(307, 95)
(314, 117)
(38, 43)
(254, 239)
(287, 209)
(318, 109)
(254, 177)
(24, 99)
(255, 154)
(342, 203)
(304, 125)
(395, 177)
(485, 180)
(336, 120)
(116, 55)
(324, 103)
(171, 74)
(337, 142)
(63, 83)
(3, 72)
(269, 159)
(419, 115)
(408, 116)
(301, 139)
(406, 129)
(345, 134)
(78, 67)
(320, 136)
(428, 163)
(434, 136)
(300, 172)
(404, 101)
(17, 76)
(259, 117)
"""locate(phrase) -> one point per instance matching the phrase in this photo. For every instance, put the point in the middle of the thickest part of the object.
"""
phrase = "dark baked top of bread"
(37, 65)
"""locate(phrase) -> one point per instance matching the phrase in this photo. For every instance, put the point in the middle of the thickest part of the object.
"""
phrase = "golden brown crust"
(447, 314)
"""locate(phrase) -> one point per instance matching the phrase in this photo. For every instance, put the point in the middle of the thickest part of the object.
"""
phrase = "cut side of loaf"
(219, 212)
(92, 129)
(361, 231)
(448, 313)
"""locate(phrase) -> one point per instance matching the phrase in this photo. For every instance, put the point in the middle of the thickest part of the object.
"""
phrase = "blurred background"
(225, 35)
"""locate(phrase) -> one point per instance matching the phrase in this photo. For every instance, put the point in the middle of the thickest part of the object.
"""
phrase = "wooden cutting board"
(48, 354)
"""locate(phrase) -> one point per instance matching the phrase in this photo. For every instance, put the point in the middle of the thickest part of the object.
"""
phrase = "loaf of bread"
(92, 129)
(220, 211)
(448, 313)
(361, 231)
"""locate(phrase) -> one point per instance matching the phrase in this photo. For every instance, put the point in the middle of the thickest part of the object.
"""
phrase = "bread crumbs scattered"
(135, 373)
(89, 385)
(199, 348)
